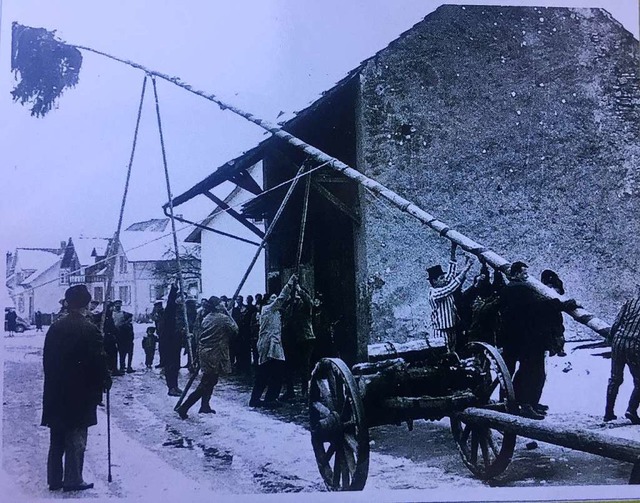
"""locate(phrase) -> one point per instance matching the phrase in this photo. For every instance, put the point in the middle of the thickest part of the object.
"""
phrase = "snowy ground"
(241, 451)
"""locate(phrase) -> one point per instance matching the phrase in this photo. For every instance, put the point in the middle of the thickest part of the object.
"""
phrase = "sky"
(64, 174)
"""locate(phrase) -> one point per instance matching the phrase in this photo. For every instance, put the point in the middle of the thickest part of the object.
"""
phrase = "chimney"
(63, 245)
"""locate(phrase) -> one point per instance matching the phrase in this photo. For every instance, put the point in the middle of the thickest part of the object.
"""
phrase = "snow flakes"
(541, 84)
(555, 30)
(484, 150)
(464, 8)
(513, 94)
(542, 158)
(524, 32)
(518, 112)
(563, 100)
(510, 170)
(542, 20)
(424, 143)
(523, 44)
(574, 95)
(517, 123)
(495, 24)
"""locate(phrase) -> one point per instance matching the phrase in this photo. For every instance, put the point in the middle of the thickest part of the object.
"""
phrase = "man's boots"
(612, 393)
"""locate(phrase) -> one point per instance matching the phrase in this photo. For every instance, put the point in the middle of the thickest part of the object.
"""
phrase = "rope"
(173, 223)
(303, 224)
(116, 237)
(270, 229)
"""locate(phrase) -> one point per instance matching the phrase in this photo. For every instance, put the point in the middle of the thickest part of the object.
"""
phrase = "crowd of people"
(277, 337)
(513, 316)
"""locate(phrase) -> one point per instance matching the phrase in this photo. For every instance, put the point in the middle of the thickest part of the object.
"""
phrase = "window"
(98, 293)
(122, 264)
(125, 294)
(156, 292)
(64, 278)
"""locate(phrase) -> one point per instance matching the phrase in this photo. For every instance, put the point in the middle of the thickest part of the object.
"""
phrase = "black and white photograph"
(357, 250)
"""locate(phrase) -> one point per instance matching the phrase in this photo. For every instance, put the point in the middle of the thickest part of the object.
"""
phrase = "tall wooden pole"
(496, 261)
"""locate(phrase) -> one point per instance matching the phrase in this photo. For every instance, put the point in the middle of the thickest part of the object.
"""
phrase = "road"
(241, 451)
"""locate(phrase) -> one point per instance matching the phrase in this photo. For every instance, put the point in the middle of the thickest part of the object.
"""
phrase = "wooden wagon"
(405, 382)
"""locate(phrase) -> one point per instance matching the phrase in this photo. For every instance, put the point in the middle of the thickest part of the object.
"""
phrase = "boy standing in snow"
(149, 345)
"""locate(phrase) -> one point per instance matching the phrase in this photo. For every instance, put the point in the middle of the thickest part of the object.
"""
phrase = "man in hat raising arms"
(75, 375)
(443, 309)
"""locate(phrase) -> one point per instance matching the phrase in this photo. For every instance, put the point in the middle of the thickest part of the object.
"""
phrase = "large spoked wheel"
(339, 434)
(486, 451)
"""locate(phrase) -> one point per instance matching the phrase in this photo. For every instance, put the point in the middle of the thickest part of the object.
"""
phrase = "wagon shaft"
(580, 440)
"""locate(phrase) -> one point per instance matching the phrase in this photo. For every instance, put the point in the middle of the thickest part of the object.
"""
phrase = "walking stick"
(109, 478)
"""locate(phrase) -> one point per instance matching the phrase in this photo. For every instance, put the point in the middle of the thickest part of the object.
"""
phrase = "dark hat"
(435, 272)
(516, 267)
(118, 301)
(551, 278)
(77, 296)
(213, 301)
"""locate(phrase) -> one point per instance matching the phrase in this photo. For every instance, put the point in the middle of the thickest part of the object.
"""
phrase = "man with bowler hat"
(444, 316)
(75, 375)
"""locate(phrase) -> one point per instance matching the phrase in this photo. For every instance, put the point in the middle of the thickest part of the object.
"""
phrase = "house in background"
(518, 126)
(33, 280)
(144, 267)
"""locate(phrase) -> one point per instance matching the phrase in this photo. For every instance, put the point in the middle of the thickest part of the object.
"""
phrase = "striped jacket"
(626, 328)
(443, 308)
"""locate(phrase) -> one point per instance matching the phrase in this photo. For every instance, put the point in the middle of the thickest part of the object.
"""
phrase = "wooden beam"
(216, 231)
(245, 181)
(592, 442)
(243, 220)
(336, 202)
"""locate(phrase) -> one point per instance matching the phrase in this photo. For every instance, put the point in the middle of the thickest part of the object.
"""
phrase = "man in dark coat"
(12, 318)
(75, 375)
(173, 334)
(124, 329)
(38, 319)
(522, 330)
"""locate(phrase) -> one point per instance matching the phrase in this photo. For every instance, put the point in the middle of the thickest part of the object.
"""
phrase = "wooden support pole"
(592, 442)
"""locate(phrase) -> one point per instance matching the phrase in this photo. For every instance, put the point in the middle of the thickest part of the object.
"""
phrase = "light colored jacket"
(270, 336)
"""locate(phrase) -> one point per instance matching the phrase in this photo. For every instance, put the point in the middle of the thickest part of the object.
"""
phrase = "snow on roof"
(155, 224)
(147, 246)
(88, 248)
(35, 261)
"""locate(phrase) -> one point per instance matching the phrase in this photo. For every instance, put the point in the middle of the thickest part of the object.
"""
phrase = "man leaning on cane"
(75, 375)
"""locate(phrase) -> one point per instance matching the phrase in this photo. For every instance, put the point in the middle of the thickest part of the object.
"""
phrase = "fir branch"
(43, 66)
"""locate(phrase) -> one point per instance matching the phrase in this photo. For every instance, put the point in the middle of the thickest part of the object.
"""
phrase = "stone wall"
(518, 126)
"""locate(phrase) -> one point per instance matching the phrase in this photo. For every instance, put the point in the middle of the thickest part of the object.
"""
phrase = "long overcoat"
(75, 373)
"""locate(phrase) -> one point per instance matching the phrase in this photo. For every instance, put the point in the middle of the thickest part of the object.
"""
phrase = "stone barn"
(518, 126)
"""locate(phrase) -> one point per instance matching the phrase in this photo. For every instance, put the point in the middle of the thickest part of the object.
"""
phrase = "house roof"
(34, 261)
(151, 246)
(87, 249)
(155, 224)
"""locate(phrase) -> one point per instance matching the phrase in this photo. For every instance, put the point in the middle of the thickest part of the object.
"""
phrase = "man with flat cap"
(444, 315)
(215, 335)
(75, 375)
